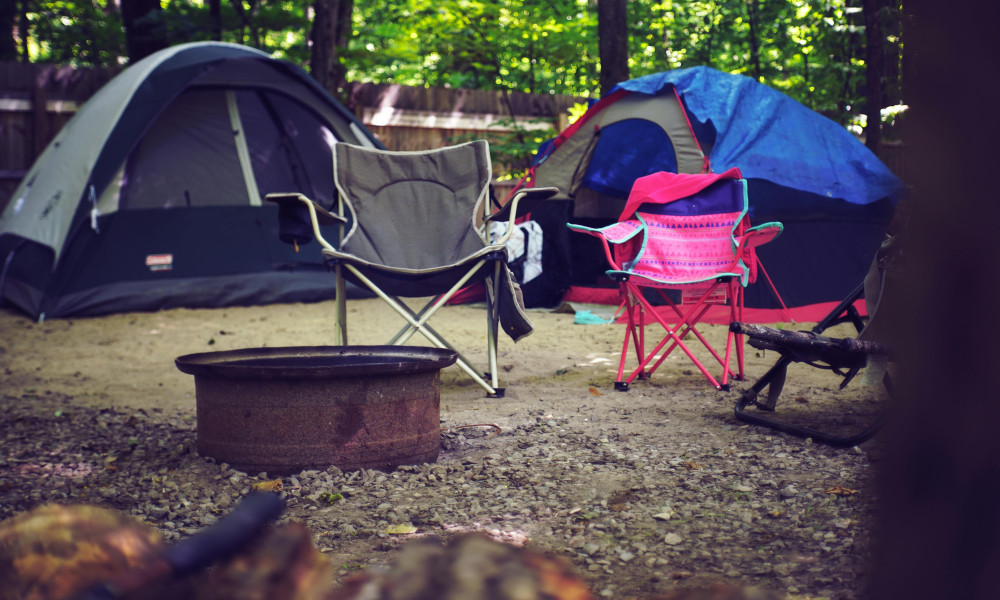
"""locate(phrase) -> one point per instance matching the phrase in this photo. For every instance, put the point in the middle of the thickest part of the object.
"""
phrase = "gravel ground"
(641, 492)
(631, 514)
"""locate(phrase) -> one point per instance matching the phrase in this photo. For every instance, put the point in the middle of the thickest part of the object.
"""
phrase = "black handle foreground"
(224, 538)
(212, 544)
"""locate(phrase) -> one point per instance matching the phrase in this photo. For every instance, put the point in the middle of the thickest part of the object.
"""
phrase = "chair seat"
(417, 283)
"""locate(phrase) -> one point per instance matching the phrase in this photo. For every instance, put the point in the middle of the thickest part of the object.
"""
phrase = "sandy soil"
(126, 362)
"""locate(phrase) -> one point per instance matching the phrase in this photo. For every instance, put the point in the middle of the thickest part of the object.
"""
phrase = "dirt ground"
(126, 362)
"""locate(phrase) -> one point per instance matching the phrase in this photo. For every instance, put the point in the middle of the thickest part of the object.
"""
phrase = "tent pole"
(240, 138)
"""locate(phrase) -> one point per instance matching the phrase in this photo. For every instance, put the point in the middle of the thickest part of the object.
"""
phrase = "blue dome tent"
(833, 195)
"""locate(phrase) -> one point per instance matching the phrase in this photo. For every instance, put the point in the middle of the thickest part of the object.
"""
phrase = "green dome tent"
(150, 197)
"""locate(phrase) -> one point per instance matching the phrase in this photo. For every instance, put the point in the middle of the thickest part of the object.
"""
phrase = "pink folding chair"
(691, 234)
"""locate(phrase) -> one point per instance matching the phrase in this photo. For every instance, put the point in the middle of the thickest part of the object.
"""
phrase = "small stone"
(672, 539)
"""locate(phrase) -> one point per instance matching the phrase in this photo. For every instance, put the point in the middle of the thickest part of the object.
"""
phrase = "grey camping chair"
(415, 225)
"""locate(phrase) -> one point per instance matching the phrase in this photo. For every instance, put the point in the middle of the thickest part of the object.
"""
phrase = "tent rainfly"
(833, 195)
(150, 197)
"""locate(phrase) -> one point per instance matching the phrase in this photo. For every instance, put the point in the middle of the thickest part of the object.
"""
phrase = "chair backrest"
(413, 210)
(691, 239)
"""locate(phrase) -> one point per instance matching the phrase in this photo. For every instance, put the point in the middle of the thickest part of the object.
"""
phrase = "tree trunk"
(23, 27)
(754, 44)
(873, 75)
(940, 473)
(215, 16)
(331, 32)
(612, 42)
(144, 32)
(8, 20)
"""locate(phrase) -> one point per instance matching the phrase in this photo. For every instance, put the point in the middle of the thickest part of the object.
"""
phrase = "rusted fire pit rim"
(315, 362)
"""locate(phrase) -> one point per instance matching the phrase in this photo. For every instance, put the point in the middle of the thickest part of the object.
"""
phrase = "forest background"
(842, 58)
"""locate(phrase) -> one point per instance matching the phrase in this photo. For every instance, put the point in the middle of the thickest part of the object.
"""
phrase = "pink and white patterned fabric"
(684, 231)
(688, 249)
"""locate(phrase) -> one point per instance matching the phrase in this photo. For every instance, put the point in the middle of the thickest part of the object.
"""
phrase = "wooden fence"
(36, 100)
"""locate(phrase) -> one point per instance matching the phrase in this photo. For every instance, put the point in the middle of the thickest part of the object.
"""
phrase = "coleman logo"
(160, 262)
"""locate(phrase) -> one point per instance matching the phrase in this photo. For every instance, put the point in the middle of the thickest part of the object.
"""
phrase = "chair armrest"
(762, 234)
(510, 212)
(616, 233)
(748, 243)
(323, 216)
(317, 214)
(757, 236)
(523, 202)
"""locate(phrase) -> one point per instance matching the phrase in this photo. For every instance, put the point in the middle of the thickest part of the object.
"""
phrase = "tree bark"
(873, 74)
(754, 44)
(144, 33)
(8, 20)
(23, 27)
(940, 473)
(215, 16)
(612, 43)
(331, 32)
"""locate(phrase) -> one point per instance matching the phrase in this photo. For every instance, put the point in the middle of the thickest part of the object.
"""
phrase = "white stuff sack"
(524, 248)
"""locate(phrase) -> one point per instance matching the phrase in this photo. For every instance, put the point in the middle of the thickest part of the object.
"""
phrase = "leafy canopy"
(811, 49)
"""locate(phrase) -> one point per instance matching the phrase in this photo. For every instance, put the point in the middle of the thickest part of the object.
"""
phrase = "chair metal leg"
(493, 327)
(672, 335)
(415, 324)
(340, 314)
(634, 332)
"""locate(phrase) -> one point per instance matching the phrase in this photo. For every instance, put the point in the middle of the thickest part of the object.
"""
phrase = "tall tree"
(215, 18)
(144, 31)
(23, 31)
(752, 22)
(873, 74)
(612, 42)
(331, 32)
(8, 20)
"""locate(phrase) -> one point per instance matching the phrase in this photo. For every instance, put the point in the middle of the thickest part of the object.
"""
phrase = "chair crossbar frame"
(688, 323)
(636, 308)
(417, 323)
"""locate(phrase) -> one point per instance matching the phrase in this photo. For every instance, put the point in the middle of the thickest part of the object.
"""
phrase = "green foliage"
(90, 32)
(811, 49)
(530, 46)
(512, 144)
(87, 32)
